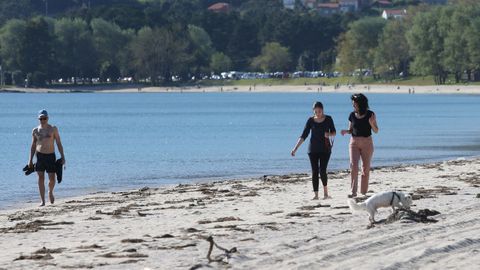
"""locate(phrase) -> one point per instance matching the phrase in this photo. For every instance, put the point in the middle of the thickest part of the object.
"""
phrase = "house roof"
(219, 7)
(384, 2)
(328, 5)
(393, 12)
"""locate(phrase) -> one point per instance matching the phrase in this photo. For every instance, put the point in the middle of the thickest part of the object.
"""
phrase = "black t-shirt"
(318, 142)
(361, 127)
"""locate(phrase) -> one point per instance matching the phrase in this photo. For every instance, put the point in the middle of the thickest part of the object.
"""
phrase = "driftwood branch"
(210, 249)
(422, 216)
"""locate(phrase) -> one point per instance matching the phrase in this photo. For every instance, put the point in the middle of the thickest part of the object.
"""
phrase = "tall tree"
(160, 53)
(472, 34)
(274, 57)
(202, 49)
(392, 53)
(427, 46)
(111, 44)
(36, 53)
(452, 24)
(11, 42)
(220, 63)
(219, 27)
(27, 47)
(357, 47)
(243, 44)
(75, 49)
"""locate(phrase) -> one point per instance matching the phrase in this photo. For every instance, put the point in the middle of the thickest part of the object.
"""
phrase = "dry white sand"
(377, 88)
(272, 222)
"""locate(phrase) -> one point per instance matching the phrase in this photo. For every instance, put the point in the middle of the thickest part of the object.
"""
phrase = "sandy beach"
(264, 223)
(377, 88)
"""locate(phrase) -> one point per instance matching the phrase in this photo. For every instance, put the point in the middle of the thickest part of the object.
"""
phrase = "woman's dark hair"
(362, 102)
(317, 104)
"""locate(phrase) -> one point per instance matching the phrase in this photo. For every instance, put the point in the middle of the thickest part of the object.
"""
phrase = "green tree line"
(158, 39)
(443, 41)
(164, 39)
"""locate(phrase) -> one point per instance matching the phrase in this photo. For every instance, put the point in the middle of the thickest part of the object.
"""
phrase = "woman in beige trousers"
(362, 122)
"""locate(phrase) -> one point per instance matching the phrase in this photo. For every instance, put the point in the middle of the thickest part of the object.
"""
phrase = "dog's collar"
(393, 197)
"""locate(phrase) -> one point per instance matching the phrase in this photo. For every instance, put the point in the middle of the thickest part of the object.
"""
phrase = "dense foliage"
(440, 41)
(159, 40)
(156, 39)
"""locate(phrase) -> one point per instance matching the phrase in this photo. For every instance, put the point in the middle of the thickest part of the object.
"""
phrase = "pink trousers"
(360, 148)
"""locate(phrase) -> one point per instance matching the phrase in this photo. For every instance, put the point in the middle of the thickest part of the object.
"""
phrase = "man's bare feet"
(315, 198)
(42, 204)
(326, 197)
(52, 198)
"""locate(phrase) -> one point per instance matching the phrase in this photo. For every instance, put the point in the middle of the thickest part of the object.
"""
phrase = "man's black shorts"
(45, 162)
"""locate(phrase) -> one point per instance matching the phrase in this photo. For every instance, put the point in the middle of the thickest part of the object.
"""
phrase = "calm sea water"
(121, 141)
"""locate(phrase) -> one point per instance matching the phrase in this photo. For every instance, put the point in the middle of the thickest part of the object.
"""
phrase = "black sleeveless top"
(318, 142)
(361, 127)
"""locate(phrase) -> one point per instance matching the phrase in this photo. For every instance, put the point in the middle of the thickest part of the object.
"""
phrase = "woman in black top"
(362, 122)
(320, 147)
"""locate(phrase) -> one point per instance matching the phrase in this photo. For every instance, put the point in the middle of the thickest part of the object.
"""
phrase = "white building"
(394, 13)
(290, 4)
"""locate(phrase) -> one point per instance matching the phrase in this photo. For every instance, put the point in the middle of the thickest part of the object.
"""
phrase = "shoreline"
(198, 181)
(373, 88)
(271, 221)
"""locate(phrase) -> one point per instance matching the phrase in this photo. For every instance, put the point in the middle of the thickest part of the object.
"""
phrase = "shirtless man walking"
(43, 138)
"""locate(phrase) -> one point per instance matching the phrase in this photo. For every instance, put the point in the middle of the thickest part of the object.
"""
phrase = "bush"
(109, 71)
(17, 78)
(7, 78)
(38, 79)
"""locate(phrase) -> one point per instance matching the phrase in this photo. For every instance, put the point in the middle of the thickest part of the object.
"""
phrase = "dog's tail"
(354, 206)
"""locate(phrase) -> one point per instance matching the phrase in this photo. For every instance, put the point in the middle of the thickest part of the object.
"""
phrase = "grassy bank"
(420, 81)
(410, 81)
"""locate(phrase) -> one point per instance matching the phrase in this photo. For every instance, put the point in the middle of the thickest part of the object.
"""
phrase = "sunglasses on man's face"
(42, 119)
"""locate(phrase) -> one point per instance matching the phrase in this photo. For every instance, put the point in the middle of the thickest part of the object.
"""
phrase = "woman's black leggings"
(319, 162)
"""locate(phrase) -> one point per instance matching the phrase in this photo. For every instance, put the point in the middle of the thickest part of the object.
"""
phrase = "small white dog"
(382, 199)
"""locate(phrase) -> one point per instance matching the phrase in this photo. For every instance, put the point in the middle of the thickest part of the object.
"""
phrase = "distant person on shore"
(361, 123)
(320, 148)
(43, 138)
